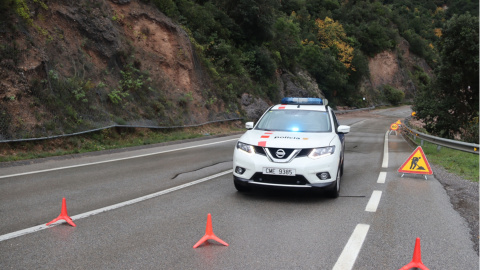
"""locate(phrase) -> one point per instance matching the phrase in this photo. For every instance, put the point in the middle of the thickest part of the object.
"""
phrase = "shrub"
(393, 95)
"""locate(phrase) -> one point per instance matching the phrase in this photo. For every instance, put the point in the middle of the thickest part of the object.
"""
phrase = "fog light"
(239, 170)
(323, 175)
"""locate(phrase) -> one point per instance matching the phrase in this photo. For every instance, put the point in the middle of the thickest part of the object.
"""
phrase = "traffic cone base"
(417, 258)
(209, 234)
(63, 215)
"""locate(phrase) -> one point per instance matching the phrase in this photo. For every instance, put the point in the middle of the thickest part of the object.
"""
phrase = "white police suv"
(296, 144)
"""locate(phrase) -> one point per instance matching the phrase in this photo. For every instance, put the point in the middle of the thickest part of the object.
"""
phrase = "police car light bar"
(304, 101)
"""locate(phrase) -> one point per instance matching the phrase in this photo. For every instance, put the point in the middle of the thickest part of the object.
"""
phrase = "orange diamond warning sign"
(417, 163)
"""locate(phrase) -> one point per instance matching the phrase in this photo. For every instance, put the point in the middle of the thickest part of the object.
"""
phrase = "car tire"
(241, 188)
(341, 169)
(334, 191)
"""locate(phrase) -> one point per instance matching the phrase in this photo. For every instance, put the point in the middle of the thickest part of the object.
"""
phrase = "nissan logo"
(280, 153)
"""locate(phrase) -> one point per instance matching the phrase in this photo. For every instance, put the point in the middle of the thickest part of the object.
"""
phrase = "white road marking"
(352, 249)
(385, 152)
(381, 177)
(112, 160)
(374, 201)
(111, 207)
(350, 252)
(358, 123)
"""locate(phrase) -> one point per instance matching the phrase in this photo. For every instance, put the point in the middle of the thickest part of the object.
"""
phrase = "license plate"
(279, 171)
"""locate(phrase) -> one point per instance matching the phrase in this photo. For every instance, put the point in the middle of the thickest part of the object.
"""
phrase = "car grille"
(278, 179)
(274, 150)
(261, 151)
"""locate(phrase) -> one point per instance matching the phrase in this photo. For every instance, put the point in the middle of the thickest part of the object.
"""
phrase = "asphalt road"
(371, 225)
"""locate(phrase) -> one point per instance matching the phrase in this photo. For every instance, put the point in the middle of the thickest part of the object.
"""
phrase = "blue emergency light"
(304, 101)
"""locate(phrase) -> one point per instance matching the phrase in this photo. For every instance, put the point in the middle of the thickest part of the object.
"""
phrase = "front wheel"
(334, 192)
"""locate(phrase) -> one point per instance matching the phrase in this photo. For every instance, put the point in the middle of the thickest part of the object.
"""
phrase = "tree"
(327, 70)
(331, 35)
(256, 18)
(393, 95)
(451, 105)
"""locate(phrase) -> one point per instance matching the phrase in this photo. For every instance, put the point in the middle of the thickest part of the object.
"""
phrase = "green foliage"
(10, 51)
(132, 80)
(167, 6)
(5, 5)
(245, 42)
(450, 106)
(458, 162)
(185, 99)
(21, 9)
(323, 65)
(116, 96)
(286, 42)
(393, 95)
(5, 121)
(255, 18)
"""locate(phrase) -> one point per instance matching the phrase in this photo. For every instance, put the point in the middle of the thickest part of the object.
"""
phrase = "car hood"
(278, 139)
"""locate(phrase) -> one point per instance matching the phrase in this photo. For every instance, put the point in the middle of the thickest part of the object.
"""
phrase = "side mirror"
(343, 129)
(249, 125)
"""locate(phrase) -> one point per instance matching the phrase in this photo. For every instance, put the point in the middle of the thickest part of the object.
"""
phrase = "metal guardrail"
(355, 110)
(146, 126)
(117, 126)
(458, 145)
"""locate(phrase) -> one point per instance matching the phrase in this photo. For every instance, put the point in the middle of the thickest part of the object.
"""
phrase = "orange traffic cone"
(63, 215)
(209, 234)
(417, 258)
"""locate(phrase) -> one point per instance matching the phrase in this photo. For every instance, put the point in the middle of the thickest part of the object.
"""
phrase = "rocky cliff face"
(89, 64)
(93, 63)
(395, 68)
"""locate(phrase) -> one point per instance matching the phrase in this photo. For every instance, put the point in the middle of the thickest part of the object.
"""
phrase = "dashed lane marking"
(381, 177)
(374, 201)
(352, 249)
(385, 152)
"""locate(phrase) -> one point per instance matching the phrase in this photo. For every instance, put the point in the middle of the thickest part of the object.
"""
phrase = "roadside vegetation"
(108, 139)
(448, 105)
(244, 45)
(454, 161)
(245, 42)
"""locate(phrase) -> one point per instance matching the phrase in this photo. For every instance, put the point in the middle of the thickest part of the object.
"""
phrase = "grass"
(107, 139)
(454, 161)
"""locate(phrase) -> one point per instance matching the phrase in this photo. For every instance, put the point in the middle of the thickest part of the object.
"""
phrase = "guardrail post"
(421, 142)
(438, 148)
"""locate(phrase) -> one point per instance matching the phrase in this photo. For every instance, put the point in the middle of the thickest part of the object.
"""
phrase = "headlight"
(245, 147)
(321, 152)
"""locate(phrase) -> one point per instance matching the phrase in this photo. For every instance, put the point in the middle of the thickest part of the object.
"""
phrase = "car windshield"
(295, 120)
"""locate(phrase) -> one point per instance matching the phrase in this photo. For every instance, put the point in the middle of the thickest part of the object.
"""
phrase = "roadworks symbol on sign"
(417, 163)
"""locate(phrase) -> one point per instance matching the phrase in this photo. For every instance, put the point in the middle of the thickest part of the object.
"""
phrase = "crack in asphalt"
(178, 174)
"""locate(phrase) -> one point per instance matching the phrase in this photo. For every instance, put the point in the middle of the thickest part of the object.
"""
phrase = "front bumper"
(248, 183)
(306, 171)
